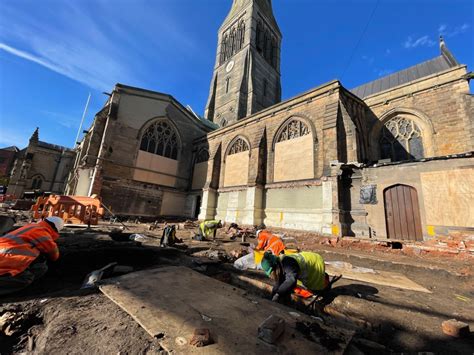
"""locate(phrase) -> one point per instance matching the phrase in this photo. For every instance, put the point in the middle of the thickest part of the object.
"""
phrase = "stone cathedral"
(389, 159)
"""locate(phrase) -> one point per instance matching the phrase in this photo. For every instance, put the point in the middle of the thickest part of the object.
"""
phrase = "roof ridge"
(423, 69)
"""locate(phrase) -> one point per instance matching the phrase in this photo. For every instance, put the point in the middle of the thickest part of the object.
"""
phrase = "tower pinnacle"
(246, 75)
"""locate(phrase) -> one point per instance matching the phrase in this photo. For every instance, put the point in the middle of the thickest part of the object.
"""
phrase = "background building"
(7, 158)
(41, 167)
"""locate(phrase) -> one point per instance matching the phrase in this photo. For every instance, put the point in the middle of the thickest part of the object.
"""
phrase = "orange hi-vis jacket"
(19, 248)
(269, 241)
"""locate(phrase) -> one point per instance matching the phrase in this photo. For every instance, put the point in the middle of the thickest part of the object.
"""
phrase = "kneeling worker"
(287, 270)
(21, 252)
(207, 228)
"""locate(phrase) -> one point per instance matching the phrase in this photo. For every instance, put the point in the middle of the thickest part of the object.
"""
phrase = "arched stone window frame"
(37, 181)
(418, 117)
(202, 156)
(224, 49)
(274, 56)
(305, 121)
(235, 141)
(241, 34)
(233, 41)
(259, 36)
(227, 153)
(312, 131)
(172, 125)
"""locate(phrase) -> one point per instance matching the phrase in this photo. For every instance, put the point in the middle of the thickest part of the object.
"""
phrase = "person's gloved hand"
(276, 297)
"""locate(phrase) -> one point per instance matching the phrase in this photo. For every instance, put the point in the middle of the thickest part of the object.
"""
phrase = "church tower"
(246, 76)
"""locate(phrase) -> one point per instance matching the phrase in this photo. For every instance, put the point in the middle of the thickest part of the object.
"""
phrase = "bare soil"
(55, 316)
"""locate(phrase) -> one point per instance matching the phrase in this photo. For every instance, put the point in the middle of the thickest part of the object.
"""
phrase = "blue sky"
(54, 52)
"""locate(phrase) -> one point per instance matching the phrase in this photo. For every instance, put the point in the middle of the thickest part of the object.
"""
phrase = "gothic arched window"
(401, 139)
(160, 139)
(241, 34)
(202, 156)
(259, 37)
(265, 44)
(223, 49)
(233, 41)
(36, 183)
(293, 129)
(239, 146)
(274, 53)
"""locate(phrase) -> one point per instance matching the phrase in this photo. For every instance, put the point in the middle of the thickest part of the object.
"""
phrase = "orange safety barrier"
(73, 209)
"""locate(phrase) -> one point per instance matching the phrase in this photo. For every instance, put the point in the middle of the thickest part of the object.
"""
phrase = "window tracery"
(239, 146)
(401, 139)
(293, 129)
(266, 44)
(160, 139)
(232, 41)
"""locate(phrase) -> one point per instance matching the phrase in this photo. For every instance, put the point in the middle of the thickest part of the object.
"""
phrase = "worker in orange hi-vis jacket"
(269, 242)
(22, 251)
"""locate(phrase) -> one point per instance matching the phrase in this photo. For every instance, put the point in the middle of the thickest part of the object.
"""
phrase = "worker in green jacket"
(208, 227)
(287, 270)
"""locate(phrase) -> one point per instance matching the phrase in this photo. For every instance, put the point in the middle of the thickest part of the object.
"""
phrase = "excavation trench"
(366, 337)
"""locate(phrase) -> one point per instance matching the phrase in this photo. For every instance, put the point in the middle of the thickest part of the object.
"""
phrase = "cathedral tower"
(246, 76)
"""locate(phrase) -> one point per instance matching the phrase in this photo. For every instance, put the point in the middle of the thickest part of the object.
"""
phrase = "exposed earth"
(55, 316)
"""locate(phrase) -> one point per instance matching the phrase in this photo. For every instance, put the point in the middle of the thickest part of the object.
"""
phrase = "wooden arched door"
(402, 213)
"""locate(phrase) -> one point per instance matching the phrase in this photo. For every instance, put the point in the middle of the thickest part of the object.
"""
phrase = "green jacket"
(312, 270)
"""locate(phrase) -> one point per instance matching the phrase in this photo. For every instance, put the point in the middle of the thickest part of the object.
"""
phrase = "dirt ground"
(55, 316)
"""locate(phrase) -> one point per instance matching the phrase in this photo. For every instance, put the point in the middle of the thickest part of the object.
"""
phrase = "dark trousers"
(10, 284)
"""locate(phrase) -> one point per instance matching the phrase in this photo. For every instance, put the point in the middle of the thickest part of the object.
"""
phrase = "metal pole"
(82, 119)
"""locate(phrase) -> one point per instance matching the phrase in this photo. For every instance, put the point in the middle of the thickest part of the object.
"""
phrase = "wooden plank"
(389, 214)
(171, 302)
(403, 211)
(409, 213)
(396, 212)
(384, 278)
(416, 215)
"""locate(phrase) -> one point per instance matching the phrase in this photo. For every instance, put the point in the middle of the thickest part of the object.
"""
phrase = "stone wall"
(44, 162)
(439, 104)
(445, 189)
(132, 181)
(284, 183)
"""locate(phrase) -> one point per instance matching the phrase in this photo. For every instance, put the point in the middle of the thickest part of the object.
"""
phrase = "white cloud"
(424, 41)
(93, 43)
(449, 31)
(76, 74)
(62, 119)
(442, 28)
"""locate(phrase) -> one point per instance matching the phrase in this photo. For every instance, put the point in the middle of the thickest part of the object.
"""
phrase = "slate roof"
(53, 146)
(436, 65)
(11, 149)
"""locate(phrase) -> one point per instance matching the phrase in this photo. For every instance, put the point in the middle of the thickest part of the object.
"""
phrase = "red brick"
(455, 328)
